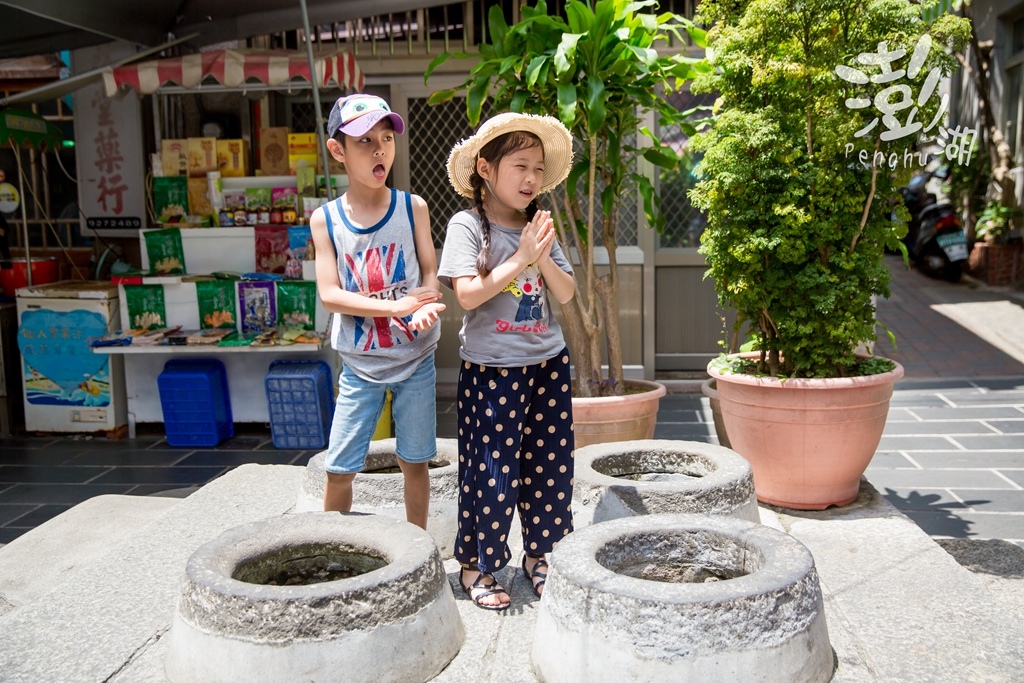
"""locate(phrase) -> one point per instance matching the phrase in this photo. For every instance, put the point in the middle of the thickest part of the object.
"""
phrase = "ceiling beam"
(133, 21)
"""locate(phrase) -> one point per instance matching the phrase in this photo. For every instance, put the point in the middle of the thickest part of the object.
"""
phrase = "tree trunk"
(998, 147)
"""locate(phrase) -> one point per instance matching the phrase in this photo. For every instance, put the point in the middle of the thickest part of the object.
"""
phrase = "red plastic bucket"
(13, 273)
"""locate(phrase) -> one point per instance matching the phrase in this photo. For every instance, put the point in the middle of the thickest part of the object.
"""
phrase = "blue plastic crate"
(195, 402)
(300, 400)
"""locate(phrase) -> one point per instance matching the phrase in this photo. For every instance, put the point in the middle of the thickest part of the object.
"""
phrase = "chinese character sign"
(111, 163)
(903, 89)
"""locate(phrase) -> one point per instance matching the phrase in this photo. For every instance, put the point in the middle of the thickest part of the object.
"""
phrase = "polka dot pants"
(515, 451)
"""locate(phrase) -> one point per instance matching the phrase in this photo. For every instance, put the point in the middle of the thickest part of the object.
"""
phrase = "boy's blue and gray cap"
(355, 114)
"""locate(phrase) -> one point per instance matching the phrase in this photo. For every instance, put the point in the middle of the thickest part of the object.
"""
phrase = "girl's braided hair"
(493, 152)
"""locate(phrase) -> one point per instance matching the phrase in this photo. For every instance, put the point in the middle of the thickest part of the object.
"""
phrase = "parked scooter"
(935, 239)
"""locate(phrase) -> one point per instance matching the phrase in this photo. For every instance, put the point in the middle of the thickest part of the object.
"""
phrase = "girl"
(515, 403)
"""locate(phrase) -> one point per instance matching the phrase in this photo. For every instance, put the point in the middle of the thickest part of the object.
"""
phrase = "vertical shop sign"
(111, 163)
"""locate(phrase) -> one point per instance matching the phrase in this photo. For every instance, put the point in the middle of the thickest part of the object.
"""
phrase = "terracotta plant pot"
(617, 418)
(808, 441)
(709, 388)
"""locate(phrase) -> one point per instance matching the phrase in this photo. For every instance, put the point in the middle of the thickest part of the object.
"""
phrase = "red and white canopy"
(235, 68)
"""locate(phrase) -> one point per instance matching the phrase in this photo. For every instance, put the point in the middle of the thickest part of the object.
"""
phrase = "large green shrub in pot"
(798, 205)
(599, 69)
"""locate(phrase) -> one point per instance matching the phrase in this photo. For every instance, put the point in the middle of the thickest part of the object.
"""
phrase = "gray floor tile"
(693, 416)
(945, 523)
(948, 413)
(8, 534)
(990, 442)
(915, 443)
(31, 442)
(235, 458)
(916, 401)
(9, 513)
(933, 479)
(967, 524)
(126, 458)
(1017, 476)
(971, 459)
(902, 415)
(994, 399)
(936, 428)
(243, 442)
(44, 457)
(890, 460)
(993, 501)
(58, 494)
(24, 474)
(677, 431)
(922, 499)
(1008, 426)
(178, 476)
(42, 513)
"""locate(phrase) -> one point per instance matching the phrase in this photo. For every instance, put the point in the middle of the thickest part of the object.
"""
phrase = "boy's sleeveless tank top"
(379, 261)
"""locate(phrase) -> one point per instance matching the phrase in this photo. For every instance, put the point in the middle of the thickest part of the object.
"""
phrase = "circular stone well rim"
(782, 558)
(211, 594)
(724, 460)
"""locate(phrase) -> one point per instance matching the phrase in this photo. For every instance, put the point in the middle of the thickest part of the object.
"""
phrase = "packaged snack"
(216, 304)
(296, 304)
(271, 248)
(146, 307)
(257, 308)
(166, 255)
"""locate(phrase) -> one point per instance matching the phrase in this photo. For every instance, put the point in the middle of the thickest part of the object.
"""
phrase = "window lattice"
(685, 222)
(433, 131)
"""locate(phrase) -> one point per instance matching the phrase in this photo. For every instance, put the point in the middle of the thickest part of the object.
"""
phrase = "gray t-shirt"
(515, 327)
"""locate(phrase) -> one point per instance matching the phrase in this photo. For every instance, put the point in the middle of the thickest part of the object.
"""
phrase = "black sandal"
(485, 590)
(536, 573)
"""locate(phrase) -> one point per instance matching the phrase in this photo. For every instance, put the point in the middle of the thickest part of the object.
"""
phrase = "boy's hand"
(411, 302)
(425, 316)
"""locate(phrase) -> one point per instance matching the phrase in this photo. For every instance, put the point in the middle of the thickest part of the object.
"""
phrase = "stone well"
(380, 487)
(681, 598)
(653, 476)
(318, 597)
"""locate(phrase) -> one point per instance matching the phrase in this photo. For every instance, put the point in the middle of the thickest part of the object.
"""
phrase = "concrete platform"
(899, 607)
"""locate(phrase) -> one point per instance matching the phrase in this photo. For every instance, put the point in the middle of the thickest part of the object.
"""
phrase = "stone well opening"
(644, 464)
(653, 476)
(380, 488)
(304, 565)
(387, 463)
(315, 597)
(698, 556)
(681, 597)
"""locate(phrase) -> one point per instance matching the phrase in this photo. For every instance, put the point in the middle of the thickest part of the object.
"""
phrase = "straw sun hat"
(553, 135)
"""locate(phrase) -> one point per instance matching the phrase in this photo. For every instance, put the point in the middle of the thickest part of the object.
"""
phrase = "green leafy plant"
(599, 71)
(996, 221)
(798, 204)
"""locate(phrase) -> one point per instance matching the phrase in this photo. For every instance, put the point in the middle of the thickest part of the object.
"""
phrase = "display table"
(206, 250)
(246, 368)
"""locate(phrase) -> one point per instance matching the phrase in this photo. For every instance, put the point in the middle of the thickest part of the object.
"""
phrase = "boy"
(376, 270)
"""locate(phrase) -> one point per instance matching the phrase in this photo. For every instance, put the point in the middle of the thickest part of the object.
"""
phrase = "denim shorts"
(359, 406)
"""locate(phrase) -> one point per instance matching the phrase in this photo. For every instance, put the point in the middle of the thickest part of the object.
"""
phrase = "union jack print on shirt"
(379, 273)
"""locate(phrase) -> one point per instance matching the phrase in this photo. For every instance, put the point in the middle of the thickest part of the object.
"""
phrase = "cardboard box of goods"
(274, 151)
(233, 158)
(301, 151)
(174, 157)
(202, 156)
(336, 166)
(199, 197)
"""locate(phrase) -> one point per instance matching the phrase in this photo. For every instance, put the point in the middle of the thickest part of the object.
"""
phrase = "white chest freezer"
(66, 387)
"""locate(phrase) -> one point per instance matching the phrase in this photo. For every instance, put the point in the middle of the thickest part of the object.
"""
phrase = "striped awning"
(236, 68)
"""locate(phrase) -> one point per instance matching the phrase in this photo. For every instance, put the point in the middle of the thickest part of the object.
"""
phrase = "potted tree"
(998, 256)
(599, 72)
(822, 107)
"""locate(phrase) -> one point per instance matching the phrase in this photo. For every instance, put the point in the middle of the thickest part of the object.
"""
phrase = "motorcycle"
(935, 239)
